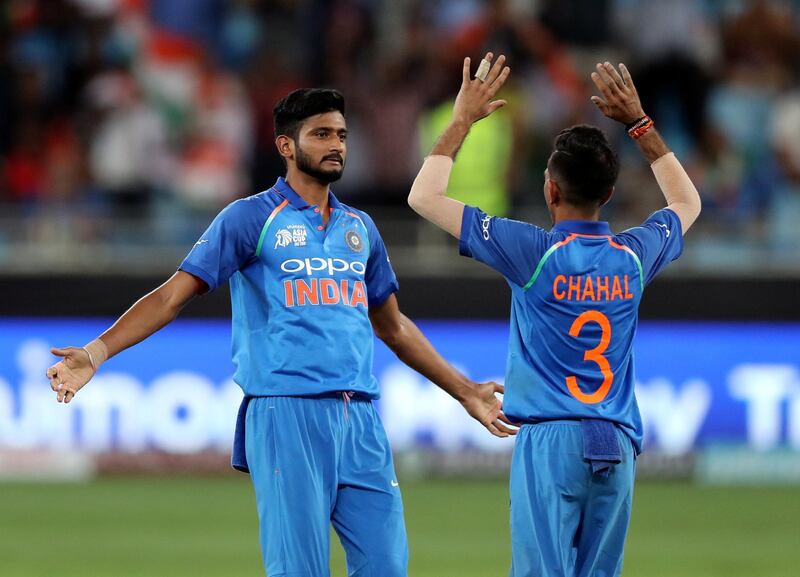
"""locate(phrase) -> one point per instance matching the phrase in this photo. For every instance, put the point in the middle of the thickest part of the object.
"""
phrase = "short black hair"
(584, 165)
(295, 107)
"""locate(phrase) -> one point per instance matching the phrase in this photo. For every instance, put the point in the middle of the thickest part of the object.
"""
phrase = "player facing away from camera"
(575, 293)
(310, 281)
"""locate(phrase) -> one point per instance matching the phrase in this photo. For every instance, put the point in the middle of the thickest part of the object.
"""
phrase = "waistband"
(574, 422)
(353, 395)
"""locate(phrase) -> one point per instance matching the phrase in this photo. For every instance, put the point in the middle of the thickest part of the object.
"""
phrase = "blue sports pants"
(317, 461)
(565, 521)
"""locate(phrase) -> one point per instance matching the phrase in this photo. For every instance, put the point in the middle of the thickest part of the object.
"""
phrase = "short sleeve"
(511, 247)
(380, 278)
(657, 242)
(228, 244)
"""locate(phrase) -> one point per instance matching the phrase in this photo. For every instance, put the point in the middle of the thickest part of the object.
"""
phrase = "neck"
(569, 212)
(309, 188)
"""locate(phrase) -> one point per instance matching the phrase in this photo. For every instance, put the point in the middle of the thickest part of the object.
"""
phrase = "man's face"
(321, 147)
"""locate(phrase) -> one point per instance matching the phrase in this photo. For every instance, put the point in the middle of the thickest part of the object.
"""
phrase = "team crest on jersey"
(282, 238)
(294, 234)
(353, 240)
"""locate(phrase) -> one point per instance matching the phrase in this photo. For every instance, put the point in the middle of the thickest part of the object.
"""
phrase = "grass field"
(176, 527)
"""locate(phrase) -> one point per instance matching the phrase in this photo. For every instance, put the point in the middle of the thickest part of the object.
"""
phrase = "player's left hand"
(487, 409)
(474, 100)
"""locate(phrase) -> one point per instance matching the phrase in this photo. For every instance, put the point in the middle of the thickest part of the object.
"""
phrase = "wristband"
(640, 127)
(97, 352)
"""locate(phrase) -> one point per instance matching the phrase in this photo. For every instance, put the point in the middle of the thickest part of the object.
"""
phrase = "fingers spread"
(499, 81)
(465, 72)
(496, 104)
(60, 352)
(601, 104)
(611, 86)
(601, 85)
(617, 80)
(494, 72)
(626, 76)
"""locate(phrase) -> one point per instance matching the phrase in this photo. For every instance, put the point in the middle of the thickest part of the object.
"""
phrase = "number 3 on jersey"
(595, 355)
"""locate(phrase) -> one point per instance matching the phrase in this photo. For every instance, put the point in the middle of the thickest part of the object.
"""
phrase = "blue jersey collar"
(296, 200)
(598, 227)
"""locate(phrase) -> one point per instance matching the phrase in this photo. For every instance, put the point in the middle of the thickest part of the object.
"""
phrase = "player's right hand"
(71, 373)
(619, 100)
(474, 100)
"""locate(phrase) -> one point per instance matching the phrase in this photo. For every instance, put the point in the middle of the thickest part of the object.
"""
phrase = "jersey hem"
(463, 244)
(383, 296)
(199, 273)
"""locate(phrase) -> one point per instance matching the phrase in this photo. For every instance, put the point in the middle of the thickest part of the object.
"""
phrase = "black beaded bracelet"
(635, 122)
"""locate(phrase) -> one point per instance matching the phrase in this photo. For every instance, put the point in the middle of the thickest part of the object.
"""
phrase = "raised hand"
(71, 373)
(619, 100)
(487, 409)
(474, 100)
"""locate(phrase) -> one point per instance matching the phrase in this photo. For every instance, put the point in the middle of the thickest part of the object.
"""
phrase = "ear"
(285, 146)
(607, 196)
(554, 192)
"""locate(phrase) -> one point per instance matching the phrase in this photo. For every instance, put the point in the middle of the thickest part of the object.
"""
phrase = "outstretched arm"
(620, 102)
(409, 344)
(145, 317)
(474, 102)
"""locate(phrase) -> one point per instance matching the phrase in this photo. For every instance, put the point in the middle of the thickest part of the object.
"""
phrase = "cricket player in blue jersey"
(310, 281)
(575, 293)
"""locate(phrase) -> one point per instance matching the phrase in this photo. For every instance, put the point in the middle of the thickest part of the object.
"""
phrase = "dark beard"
(304, 164)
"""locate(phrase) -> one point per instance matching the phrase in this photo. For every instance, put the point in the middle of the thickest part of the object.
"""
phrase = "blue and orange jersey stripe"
(271, 217)
(572, 237)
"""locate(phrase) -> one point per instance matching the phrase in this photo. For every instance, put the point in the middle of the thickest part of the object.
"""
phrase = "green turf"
(122, 527)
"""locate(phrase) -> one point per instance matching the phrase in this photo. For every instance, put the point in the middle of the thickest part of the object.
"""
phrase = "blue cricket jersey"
(300, 292)
(575, 296)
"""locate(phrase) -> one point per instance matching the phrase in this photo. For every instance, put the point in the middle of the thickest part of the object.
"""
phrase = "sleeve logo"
(353, 240)
(485, 222)
(665, 227)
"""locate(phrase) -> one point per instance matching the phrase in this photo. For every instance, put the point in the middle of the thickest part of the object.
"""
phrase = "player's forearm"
(451, 139)
(411, 347)
(428, 196)
(676, 186)
(652, 145)
(148, 315)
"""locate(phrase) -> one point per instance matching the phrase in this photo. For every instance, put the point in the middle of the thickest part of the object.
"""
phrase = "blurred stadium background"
(125, 125)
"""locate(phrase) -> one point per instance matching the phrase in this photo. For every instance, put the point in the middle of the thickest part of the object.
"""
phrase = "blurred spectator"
(785, 211)
(219, 142)
(128, 145)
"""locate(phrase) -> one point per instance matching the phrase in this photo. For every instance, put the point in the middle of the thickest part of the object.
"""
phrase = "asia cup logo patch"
(294, 234)
(283, 238)
(353, 240)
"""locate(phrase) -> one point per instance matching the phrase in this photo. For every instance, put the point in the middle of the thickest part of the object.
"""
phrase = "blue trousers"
(565, 521)
(317, 461)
